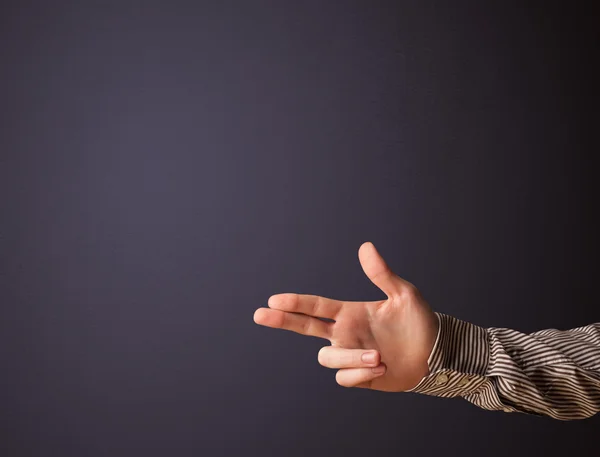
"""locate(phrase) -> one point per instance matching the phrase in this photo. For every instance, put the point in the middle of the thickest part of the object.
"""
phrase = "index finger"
(311, 305)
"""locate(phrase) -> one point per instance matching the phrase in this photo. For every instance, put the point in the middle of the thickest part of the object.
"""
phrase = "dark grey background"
(167, 166)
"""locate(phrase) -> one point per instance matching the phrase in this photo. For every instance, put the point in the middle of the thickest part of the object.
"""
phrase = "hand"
(400, 331)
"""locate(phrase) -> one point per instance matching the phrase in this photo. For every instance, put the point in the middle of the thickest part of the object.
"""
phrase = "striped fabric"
(552, 372)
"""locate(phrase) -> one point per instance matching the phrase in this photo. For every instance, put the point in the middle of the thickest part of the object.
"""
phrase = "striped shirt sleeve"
(553, 373)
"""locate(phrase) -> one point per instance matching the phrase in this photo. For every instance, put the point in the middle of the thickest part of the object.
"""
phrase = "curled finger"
(359, 377)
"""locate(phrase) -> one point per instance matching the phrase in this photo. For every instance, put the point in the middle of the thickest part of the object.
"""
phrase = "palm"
(402, 328)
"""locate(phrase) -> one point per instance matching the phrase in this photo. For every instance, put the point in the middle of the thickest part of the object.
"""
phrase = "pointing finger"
(299, 323)
(311, 305)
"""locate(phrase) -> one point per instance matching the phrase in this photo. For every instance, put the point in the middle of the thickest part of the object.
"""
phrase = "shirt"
(551, 372)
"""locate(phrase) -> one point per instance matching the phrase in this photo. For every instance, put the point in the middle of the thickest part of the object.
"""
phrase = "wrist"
(458, 362)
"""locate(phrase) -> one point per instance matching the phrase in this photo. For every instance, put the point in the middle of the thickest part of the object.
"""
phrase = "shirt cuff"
(458, 361)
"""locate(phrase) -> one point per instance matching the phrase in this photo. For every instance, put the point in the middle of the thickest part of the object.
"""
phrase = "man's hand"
(400, 332)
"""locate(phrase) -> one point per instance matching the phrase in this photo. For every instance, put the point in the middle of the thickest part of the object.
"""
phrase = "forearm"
(553, 373)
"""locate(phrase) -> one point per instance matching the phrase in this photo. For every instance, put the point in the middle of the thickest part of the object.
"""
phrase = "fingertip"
(257, 315)
(379, 370)
(364, 246)
(377, 357)
(277, 300)
(321, 356)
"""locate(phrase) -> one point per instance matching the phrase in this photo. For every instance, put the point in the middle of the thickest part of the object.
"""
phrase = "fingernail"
(379, 369)
(368, 357)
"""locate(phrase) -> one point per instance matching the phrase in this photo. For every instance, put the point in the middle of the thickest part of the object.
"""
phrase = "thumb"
(379, 272)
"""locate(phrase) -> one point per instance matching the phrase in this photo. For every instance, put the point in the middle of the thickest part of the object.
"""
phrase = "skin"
(399, 332)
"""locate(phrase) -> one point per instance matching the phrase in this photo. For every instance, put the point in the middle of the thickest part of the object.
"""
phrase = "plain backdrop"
(165, 167)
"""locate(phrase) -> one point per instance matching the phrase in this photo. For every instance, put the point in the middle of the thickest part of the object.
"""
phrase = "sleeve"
(554, 373)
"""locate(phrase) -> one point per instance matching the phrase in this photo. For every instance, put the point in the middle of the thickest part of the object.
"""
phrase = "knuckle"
(280, 319)
(410, 290)
(316, 306)
(357, 359)
(413, 290)
(407, 292)
(346, 359)
(383, 273)
(307, 326)
(293, 301)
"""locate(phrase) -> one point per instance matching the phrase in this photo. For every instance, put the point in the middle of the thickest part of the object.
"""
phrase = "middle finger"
(299, 323)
